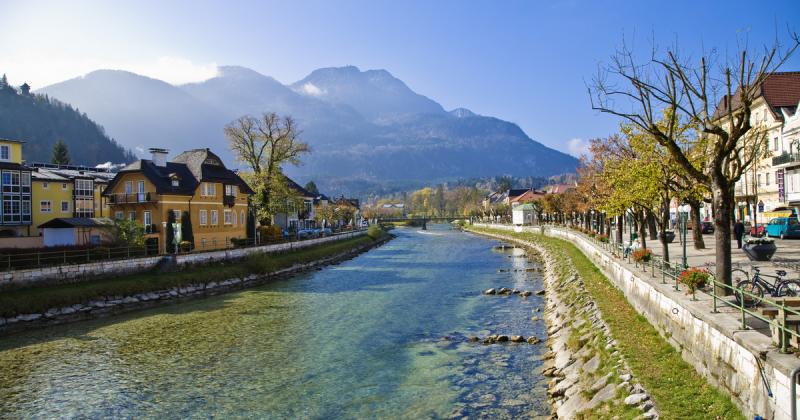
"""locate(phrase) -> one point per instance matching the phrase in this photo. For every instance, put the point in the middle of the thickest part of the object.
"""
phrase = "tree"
(60, 153)
(128, 232)
(438, 200)
(504, 184)
(251, 224)
(169, 245)
(186, 228)
(264, 145)
(311, 187)
(716, 98)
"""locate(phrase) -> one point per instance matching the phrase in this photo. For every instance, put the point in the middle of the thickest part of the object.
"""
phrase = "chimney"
(159, 156)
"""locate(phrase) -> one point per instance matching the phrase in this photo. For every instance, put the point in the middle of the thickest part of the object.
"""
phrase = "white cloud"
(310, 89)
(578, 147)
(177, 70)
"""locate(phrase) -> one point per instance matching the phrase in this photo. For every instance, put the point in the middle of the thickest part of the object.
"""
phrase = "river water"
(379, 336)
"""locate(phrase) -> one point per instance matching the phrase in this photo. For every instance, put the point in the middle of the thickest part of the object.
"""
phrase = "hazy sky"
(525, 62)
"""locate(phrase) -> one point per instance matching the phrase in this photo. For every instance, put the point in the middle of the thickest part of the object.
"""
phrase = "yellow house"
(15, 188)
(67, 191)
(197, 183)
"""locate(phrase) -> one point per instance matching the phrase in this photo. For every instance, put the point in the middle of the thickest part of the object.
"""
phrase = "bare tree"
(264, 145)
(717, 98)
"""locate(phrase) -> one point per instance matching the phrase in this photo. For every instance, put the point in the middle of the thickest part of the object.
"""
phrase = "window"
(44, 206)
(209, 189)
(84, 187)
(119, 215)
(175, 182)
(131, 215)
(767, 177)
(241, 217)
(203, 217)
(214, 217)
(146, 218)
(775, 144)
(45, 185)
(64, 186)
(227, 218)
(5, 152)
(177, 215)
(233, 216)
(758, 182)
(128, 187)
(64, 206)
(230, 190)
(140, 196)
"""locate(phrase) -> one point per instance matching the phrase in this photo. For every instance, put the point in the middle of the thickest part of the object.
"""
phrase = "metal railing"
(786, 158)
(123, 198)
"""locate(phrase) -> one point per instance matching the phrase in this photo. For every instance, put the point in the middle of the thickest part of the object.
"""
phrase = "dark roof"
(297, 188)
(191, 167)
(14, 166)
(72, 222)
(13, 141)
(517, 192)
(780, 90)
(349, 201)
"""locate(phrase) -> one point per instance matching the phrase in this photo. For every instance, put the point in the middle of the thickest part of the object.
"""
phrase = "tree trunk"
(651, 225)
(620, 219)
(723, 204)
(642, 228)
(697, 233)
(664, 227)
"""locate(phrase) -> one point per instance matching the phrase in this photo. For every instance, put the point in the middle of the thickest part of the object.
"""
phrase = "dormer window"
(176, 182)
(5, 152)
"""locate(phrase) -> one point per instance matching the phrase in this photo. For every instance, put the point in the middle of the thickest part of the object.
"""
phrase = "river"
(380, 336)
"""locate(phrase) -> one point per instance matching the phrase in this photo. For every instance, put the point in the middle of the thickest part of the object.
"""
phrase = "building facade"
(195, 182)
(15, 190)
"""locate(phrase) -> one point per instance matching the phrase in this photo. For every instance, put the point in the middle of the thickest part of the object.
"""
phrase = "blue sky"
(523, 61)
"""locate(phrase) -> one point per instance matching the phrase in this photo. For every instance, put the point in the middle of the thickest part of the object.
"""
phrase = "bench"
(789, 321)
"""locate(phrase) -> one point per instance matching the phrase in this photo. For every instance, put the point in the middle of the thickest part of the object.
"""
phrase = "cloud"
(578, 147)
(310, 89)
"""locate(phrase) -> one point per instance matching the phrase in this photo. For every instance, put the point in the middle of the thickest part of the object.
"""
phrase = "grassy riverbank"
(678, 390)
(40, 299)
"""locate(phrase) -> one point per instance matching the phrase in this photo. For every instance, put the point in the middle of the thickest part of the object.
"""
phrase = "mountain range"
(367, 129)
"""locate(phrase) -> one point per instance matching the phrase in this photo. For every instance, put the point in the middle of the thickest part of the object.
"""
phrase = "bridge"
(419, 221)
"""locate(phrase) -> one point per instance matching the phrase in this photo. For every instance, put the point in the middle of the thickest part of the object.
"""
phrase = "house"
(494, 199)
(523, 196)
(523, 214)
(68, 191)
(346, 210)
(77, 231)
(763, 187)
(15, 192)
(195, 182)
(299, 213)
(558, 188)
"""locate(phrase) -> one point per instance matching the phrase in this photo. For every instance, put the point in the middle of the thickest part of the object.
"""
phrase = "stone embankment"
(589, 375)
(110, 305)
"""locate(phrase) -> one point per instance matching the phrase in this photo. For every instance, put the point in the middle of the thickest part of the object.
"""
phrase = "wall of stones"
(79, 272)
(743, 363)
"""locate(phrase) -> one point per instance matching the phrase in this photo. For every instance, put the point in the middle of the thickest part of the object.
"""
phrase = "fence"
(736, 299)
(41, 259)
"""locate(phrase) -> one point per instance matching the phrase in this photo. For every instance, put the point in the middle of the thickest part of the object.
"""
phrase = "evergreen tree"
(251, 225)
(312, 188)
(60, 153)
(186, 227)
(170, 246)
(3, 81)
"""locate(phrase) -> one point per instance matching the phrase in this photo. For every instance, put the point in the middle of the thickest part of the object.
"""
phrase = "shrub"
(270, 233)
(602, 238)
(186, 246)
(374, 232)
(694, 278)
(238, 242)
(642, 255)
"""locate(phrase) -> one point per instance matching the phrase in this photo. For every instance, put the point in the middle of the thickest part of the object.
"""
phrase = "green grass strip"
(41, 298)
(678, 390)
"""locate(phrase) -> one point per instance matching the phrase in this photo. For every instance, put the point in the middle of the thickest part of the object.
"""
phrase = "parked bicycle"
(754, 287)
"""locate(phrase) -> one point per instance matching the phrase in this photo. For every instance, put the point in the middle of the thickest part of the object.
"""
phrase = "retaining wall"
(78, 272)
(743, 363)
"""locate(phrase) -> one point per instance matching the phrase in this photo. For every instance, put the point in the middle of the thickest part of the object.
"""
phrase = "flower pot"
(759, 252)
(669, 234)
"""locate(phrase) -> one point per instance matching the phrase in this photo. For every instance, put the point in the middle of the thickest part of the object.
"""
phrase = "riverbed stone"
(491, 291)
(635, 399)
(517, 339)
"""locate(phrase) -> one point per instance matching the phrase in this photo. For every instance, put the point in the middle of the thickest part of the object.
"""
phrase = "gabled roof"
(779, 90)
(298, 189)
(73, 222)
(523, 207)
(516, 192)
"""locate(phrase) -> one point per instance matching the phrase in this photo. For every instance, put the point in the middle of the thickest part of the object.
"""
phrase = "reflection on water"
(383, 335)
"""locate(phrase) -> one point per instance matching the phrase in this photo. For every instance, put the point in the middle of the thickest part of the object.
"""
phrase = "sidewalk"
(786, 258)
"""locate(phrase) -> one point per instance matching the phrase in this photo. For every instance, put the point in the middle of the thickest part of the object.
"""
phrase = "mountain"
(367, 129)
(41, 122)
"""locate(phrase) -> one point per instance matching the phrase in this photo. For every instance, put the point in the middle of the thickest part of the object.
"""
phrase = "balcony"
(229, 200)
(786, 159)
(152, 228)
(132, 198)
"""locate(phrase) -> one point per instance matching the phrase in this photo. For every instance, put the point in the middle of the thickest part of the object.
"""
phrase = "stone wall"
(79, 272)
(730, 358)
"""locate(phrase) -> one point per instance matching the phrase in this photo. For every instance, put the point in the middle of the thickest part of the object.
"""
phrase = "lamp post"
(684, 212)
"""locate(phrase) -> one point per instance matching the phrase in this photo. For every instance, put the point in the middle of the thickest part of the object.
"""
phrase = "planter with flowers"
(602, 238)
(642, 255)
(759, 249)
(694, 278)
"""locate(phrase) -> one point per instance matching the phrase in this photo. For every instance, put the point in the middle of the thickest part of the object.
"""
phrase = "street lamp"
(684, 213)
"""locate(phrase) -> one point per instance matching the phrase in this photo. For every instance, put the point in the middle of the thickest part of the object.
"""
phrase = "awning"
(780, 213)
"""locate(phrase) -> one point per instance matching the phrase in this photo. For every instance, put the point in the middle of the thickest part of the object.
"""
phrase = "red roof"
(779, 90)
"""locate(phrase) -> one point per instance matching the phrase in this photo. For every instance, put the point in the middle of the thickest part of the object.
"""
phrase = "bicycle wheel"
(788, 288)
(753, 293)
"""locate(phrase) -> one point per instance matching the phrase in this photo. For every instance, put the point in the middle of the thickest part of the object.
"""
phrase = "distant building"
(298, 216)
(523, 214)
(25, 89)
(15, 192)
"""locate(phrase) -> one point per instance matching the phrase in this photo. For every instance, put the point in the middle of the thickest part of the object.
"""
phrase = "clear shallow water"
(363, 339)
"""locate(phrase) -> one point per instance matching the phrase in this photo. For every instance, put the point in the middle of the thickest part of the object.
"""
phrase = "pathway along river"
(360, 339)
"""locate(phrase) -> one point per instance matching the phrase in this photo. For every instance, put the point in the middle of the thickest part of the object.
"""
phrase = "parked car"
(707, 227)
(784, 227)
